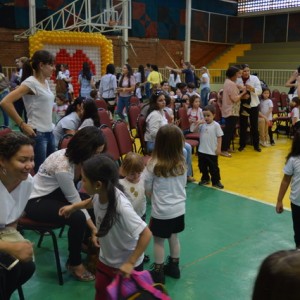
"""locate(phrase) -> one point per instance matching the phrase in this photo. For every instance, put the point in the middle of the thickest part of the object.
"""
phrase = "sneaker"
(241, 149)
(225, 153)
(264, 144)
(172, 268)
(272, 143)
(204, 182)
(257, 149)
(218, 185)
(157, 273)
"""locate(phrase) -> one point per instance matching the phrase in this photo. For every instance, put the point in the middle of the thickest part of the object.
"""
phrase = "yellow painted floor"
(253, 174)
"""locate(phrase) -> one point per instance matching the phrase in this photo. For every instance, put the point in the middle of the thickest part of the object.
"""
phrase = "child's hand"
(279, 207)
(95, 240)
(66, 211)
(127, 269)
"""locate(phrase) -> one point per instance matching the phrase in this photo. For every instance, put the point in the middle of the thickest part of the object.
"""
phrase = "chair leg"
(61, 231)
(41, 239)
(20, 292)
(57, 259)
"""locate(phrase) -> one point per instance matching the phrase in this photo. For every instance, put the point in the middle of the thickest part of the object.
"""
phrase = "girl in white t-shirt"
(122, 234)
(195, 114)
(265, 118)
(295, 104)
(292, 176)
(165, 180)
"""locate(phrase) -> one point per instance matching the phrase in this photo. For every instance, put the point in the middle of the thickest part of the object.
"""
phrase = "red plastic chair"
(4, 130)
(141, 126)
(133, 113)
(184, 124)
(112, 145)
(64, 141)
(101, 104)
(134, 100)
(104, 117)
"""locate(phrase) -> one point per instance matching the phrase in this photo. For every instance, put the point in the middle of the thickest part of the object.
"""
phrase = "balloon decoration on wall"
(74, 48)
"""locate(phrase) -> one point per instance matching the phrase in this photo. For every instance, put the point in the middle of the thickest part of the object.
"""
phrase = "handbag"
(139, 285)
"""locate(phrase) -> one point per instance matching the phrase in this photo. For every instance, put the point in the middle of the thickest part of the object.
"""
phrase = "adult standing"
(125, 89)
(16, 162)
(86, 80)
(108, 87)
(230, 107)
(252, 84)
(186, 70)
(204, 86)
(54, 187)
(154, 78)
(38, 101)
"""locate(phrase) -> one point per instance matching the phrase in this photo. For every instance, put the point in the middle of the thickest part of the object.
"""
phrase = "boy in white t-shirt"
(209, 148)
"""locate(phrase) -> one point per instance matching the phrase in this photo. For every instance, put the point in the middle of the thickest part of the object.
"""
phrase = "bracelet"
(21, 123)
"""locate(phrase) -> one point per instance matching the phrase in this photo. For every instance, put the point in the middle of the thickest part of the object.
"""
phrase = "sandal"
(84, 277)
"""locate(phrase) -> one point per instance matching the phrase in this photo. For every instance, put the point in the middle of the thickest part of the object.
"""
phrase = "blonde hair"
(167, 156)
(132, 163)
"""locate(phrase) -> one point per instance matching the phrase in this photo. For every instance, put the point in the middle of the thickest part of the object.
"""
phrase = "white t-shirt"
(39, 106)
(69, 122)
(154, 121)
(295, 114)
(56, 172)
(264, 108)
(136, 194)
(13, 203)
(168, 194)
(292, 168)
(121, 240)
(86, 123)
(209, 134)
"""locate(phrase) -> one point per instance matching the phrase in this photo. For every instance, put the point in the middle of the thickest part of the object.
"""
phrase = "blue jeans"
(122, 103)
(44, 146)
(204, 96)
(187, 153)
(5, 115)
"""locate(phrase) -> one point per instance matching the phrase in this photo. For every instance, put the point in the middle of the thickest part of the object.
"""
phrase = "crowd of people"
(108, 211)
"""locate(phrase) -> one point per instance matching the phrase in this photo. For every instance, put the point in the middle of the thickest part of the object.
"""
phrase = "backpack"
(4, 83)
(140, 285)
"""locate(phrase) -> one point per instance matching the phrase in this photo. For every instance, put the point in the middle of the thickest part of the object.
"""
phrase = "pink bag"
(140, 285)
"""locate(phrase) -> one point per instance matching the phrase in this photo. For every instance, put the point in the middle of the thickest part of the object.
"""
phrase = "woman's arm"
(8, 105)
(291, 81)
(179, 71)
(143, 241)
(282, 190)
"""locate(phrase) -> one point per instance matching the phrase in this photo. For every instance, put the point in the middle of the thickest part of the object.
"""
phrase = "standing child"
(165, 180)
(59, 107)
(295, 104)
(195, 114)
(292, 175)
(122, 234)
(209, 148)
(265, 118)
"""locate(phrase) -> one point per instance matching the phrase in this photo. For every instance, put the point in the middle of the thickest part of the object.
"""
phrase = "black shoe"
(157, 273)
(241, 149)
(272, 143)
(172, 268)
(257, 149)
(204, 182)
(218, 185)
(146, 258)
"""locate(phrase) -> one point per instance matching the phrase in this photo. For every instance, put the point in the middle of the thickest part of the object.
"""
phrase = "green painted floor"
(225, 239)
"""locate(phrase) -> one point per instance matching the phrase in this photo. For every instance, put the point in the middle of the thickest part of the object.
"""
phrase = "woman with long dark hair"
(125, 89)
(90, 114)
(86, 80)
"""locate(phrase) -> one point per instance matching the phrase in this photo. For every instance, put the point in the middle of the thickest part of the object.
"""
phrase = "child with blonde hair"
(165, 180)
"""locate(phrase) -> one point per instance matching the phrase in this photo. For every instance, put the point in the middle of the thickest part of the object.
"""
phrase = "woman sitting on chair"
(54, 188)
(16, 162)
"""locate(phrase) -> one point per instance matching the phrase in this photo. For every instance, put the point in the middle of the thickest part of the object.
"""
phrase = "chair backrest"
(218, 115)
(275, 110)
(101, 104)
(133, 113)
(141, 127)
(112, 145)
(134, 100)
(64, 141)
(4, 130)
(123, 137)
(184, 123)
(104, 117)
(276, 94)
(284, 99)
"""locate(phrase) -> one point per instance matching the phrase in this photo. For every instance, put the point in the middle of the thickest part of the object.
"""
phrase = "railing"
(273, 78)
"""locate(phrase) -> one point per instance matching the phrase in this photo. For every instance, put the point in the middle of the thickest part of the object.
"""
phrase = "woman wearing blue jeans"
(125, 89)
(38, 101)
